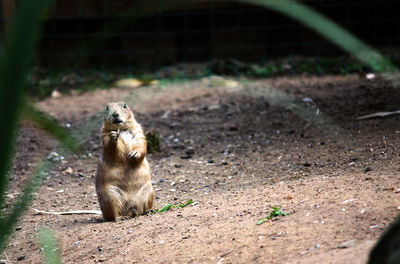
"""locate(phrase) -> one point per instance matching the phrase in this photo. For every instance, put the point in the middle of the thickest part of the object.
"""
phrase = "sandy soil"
(236, 156)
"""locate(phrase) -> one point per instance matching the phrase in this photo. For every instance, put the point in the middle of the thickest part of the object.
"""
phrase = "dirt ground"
(235, 155)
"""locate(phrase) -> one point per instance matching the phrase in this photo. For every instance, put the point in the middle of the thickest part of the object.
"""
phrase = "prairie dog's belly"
(124, 174)
(128, 139)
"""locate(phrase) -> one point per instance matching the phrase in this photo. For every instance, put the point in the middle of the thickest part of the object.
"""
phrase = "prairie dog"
(123, 181)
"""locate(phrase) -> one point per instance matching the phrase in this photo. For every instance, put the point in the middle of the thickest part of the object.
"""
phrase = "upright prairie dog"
(123, 181)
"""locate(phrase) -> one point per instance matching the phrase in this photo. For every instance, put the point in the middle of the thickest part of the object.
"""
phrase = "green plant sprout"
(169, 206)
(276, 211)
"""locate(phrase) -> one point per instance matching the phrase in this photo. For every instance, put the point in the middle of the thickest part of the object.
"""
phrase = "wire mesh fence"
(149, 35)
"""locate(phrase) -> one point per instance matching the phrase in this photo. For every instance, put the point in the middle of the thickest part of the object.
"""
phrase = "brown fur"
(123, 181)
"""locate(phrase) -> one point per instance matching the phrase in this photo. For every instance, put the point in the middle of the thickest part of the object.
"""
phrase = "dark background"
(105, 33)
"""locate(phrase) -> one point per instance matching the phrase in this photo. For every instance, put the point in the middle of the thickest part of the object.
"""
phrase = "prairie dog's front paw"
(134, 154)
(114, 135)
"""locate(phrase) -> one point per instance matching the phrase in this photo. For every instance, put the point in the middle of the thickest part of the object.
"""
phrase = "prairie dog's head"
(118, 115)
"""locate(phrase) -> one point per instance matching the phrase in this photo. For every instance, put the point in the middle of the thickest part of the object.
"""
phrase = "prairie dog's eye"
(125, 106)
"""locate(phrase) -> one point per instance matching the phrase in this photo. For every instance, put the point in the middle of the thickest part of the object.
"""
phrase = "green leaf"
(316, 21)
(169, 206)
(16, 56)
(45, 122)
(8, 221)
(276, 211)
(165, 208)
(185, 204)
(49, 245)
(262, 221)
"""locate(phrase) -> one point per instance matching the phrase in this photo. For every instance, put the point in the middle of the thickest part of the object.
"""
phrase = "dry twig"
(378, 114)
(39, 212)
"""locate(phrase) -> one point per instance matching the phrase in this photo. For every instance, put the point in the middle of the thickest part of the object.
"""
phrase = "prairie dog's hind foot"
(134, 212)
(122, 218)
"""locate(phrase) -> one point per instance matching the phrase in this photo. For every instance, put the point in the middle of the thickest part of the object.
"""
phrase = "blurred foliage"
(49, 246)
(153, 141)
(83, 80)
(16, 56)
(50, 125)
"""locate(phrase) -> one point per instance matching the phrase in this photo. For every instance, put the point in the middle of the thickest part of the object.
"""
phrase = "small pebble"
(233, 128)
(347, 244)
(189, 151)
(23, 257)
(69, 170)
(367, 169)
(31, 148)
(308, 100)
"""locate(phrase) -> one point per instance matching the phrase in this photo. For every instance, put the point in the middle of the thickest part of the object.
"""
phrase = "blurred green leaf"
(49, 245)
(16, 56)
(45, 122)
(330, 30)
(8, 221)
(306, 15)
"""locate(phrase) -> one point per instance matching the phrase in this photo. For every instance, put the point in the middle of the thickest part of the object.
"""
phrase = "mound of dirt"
(236, 156)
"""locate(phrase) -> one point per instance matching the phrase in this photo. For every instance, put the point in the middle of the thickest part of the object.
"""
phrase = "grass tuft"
(153, 139)
(169, 206)
(276, 211)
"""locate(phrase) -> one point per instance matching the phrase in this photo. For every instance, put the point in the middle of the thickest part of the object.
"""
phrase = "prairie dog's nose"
(115, 114)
